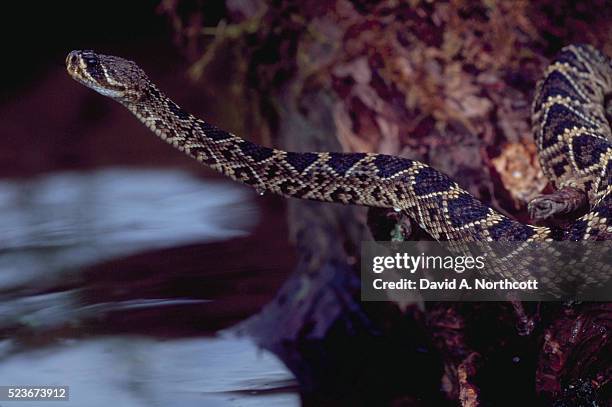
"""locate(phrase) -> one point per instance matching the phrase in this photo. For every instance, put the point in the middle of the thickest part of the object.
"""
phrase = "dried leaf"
(520, 172)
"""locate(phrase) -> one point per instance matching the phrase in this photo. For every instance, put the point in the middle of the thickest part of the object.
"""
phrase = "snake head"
(111, 76)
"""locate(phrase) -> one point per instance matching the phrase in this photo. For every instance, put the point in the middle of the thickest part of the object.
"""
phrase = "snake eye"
(89, 57)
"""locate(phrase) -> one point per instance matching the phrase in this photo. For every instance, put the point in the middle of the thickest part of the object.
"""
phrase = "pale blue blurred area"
(54, 226)
(124, 371)
(44, 312)
(60, 222)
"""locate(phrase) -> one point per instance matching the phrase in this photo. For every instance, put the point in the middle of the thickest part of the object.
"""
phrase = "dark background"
(50, 123)
(41, 107)
(37, 38)
(39, 35)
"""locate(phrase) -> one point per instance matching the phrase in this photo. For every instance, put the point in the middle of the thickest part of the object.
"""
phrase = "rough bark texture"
(449, 83)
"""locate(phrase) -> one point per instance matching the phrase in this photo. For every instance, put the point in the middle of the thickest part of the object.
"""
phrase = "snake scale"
(570, 127)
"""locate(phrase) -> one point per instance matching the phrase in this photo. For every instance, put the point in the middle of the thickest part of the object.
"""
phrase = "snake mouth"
(78, 62)
(72, 63)
(77, 67)
(72, 60)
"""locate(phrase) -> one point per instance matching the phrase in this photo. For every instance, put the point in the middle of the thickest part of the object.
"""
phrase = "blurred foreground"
(65, 320)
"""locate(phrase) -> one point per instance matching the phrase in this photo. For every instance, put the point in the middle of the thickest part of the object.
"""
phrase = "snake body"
(571, 131)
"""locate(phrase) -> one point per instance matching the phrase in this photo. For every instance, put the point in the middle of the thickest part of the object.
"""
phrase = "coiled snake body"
(571, 130)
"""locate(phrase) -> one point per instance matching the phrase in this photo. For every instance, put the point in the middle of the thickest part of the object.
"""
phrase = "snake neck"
(222, 151)
(182, 130)
(374, 180)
